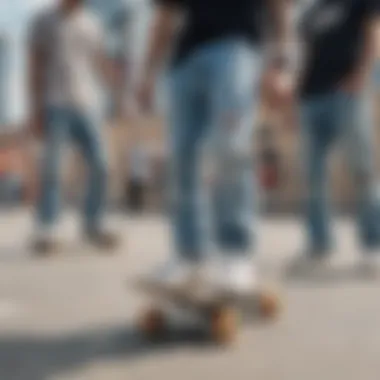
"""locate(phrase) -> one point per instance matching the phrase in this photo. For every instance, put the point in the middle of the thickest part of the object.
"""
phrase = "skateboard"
(221, 313)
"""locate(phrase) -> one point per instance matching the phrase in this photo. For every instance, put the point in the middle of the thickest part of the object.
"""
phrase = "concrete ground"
(72, 316)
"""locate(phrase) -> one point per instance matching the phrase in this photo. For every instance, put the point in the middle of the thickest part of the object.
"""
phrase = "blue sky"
(14, 18)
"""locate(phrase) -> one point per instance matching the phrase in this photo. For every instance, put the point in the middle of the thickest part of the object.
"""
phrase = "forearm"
(282, 33)
(160, 38)
(369, 52)
(106, 70)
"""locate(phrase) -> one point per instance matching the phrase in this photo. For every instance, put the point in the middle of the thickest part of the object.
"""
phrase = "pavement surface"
(72, 316)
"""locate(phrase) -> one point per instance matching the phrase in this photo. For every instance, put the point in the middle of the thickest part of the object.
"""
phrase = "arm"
(279, 76)
(161, 36)
(369, 54)
(282, 36)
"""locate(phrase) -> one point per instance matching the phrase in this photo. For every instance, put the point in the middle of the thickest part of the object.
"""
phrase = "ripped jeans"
(214, 94)
(329, 120)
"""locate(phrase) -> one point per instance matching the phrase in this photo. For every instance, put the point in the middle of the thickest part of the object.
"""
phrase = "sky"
(14, 18)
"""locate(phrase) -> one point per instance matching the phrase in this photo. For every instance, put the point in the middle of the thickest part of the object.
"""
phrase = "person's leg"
(186, 127)
(187, 123)
(234, 71)
(357, 128)
(228, 151)
(55, 134)
(88, 136)
(319, 130)
(318, 133)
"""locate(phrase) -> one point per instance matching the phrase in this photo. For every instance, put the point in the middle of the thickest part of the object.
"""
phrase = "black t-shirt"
(333, 32)
(210, 20)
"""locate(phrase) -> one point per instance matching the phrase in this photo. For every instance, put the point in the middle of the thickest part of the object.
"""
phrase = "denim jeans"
(10, 189)
(213, 95)
(328, 120)
(62, 125)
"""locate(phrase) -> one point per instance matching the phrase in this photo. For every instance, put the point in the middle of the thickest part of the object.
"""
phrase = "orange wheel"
(269, 305)
(224, 324)
(152, 324)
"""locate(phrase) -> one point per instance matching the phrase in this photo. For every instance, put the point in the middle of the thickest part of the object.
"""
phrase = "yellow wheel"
(269, 305)
(152, 324)
(224, 324)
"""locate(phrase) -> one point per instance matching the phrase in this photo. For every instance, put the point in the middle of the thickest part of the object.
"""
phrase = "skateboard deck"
(222, 312)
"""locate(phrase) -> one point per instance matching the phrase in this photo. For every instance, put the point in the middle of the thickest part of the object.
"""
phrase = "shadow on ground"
(33, 358)
(331, 276)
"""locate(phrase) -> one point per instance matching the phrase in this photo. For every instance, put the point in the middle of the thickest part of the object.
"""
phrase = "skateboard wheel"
(224, 323)
(269, 305)
(152, 324)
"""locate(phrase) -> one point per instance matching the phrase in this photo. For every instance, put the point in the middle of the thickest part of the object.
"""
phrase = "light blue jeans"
(213, 96)
(10, 189)
(62, 125)
(328, 120)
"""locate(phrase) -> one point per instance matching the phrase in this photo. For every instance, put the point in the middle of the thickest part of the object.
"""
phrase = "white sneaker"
(177, 273)
(237, 275)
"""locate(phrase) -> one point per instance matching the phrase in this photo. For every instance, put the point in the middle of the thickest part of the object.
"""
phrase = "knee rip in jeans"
(231, 120)
(234, 122)
(213, 171)
(225, 169)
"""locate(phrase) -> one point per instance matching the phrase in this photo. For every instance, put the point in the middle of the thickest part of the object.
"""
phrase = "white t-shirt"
(73, 45)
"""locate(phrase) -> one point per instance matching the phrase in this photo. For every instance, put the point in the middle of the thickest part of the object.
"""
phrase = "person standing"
(214, 80)
(67, 68)
(340, 37)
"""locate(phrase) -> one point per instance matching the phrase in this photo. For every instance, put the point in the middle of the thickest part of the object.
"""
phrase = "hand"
(278, 88)
(352, 84)
(146, 94)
